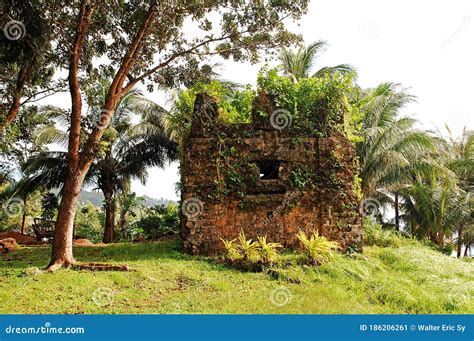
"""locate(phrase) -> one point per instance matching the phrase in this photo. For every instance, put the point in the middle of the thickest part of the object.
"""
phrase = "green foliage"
(374, 234)
(247, 248)
(316, 249)
(308, 99)
(435, 208)
(251, 255)
(301, 178)
(159, 221)
(446, 248)
(369, 284)
(299, 64)
(49, 205)
(267, 252)
(234, 106)
(89, 222)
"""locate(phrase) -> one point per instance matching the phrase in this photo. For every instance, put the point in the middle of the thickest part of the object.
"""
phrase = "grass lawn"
(408, 279)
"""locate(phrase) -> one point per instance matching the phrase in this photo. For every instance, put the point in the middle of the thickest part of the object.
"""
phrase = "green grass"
(408, 279)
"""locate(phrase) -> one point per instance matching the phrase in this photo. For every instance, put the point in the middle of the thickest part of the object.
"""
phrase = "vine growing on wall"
(318, 106)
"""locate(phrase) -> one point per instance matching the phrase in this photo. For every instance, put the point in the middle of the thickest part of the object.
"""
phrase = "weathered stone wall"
(223, 191)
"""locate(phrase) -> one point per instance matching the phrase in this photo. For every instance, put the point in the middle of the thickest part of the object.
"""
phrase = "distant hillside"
(97, 199)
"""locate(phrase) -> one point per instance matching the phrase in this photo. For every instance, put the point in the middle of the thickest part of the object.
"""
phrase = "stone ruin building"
(266, 178)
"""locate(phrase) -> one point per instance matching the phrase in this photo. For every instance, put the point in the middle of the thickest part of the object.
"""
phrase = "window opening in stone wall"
(269, 170)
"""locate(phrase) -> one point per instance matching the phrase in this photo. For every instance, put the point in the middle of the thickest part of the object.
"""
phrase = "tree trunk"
(440, 239)
(16, 103)
(397, 213)
(122, 220)
(109, 232)
(80, 162)
(63, 232)
(23, 219)
(458, 254)
(466, 250)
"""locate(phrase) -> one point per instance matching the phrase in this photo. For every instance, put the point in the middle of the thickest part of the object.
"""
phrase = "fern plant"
(251, 255)
(268, 252)
(232, 253)
(248, 248)
(317, 249)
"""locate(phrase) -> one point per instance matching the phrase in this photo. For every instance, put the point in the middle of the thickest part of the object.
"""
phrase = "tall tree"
(18, 145)
(129, 149)
(435, 208)
(27, 58)
(391, 150)
(136, 34)
(300, 63)
(458, 154)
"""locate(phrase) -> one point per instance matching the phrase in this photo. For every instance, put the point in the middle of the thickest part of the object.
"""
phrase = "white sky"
(427, 46)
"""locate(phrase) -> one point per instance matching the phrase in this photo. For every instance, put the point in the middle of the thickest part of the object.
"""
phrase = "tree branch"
(85, 15)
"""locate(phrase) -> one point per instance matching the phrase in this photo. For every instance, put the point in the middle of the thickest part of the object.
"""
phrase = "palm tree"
(435, 208)
(391, 151)
(460, 153)
(459, 157)
(299, 64)
(128, 152)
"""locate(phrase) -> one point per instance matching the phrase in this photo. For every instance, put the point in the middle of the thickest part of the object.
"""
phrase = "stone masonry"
(265, 181)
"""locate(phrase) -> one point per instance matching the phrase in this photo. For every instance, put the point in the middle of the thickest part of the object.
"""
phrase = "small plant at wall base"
(250, 255)
(268, 252)
(316, 249)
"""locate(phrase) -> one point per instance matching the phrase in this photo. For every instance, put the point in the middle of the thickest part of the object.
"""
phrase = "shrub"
(247, 248)
(374, 234)
(267, 252)
(446, 249)
(316, 249)
(232, 251)
(251, 255)
(89, 223)
(159, 221)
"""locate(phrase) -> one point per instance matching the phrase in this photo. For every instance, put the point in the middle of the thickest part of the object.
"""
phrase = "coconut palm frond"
(342, 69)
